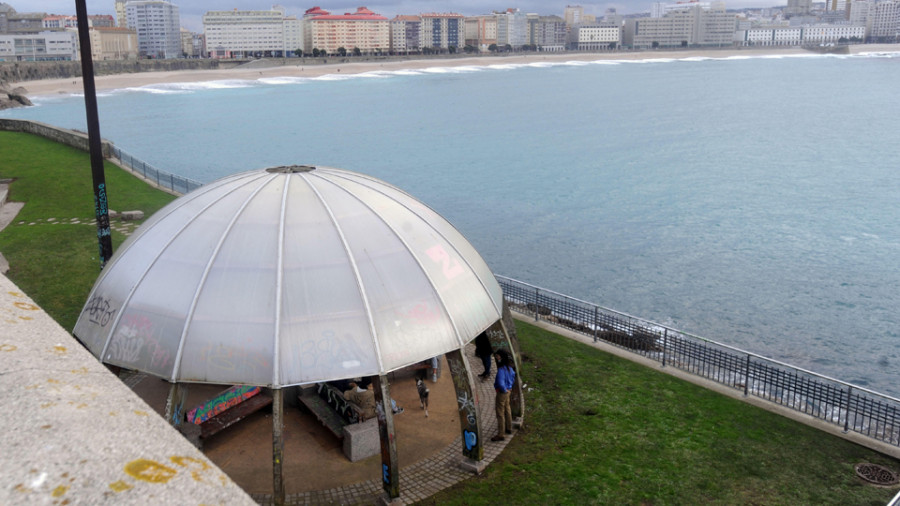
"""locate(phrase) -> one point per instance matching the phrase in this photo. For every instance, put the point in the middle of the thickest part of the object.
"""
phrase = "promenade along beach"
(725, 193)
(258, 70)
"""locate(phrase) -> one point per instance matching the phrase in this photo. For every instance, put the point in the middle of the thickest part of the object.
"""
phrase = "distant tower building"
(573, 14)
(885, 21)
(797, 8)
(612, 17)
(121, 17)
(158, 27)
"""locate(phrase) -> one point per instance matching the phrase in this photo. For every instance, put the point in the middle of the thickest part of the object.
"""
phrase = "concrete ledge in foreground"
(74, 434)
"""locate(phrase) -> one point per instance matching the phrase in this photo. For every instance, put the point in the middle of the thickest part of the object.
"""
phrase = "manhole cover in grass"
(879, 475)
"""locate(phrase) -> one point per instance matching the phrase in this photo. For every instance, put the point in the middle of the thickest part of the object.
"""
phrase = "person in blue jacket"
(503, 383)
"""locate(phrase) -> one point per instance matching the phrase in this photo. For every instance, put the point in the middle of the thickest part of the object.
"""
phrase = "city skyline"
(191, 13)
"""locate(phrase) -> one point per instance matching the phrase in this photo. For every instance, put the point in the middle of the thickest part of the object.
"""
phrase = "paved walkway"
(422, 479)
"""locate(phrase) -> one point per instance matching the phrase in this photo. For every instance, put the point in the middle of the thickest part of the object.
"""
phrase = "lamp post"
(101, 206)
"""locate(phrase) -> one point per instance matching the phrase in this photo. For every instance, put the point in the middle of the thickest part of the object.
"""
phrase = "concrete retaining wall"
(65, 136)
(32, 71)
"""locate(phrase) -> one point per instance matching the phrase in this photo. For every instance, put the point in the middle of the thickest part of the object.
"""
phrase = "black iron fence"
(851, 407)
(162, 178)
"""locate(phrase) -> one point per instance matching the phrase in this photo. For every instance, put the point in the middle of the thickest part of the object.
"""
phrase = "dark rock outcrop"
(12, 97)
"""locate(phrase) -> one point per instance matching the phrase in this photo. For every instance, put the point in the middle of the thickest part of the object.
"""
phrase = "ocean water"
(752, 201)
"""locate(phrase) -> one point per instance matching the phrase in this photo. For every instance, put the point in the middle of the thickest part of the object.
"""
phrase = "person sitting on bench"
(361, 395)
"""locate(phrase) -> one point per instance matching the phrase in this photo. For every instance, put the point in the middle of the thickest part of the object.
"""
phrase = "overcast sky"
(191, 11)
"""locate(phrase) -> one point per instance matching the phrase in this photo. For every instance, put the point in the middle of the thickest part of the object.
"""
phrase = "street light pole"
(101, 205)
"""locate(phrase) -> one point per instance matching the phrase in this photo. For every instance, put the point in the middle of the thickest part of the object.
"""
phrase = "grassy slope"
(600, 429)
(57, 264)
(603, 430)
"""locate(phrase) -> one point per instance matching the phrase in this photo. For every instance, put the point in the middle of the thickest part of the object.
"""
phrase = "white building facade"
(512, 28)
(43, 46)
(692, 27)
(239, 34)
(823, 34)
(595, 37)
(158, 27)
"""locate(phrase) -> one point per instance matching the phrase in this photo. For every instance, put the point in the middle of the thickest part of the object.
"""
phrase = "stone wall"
(31, 71)
(72, 138)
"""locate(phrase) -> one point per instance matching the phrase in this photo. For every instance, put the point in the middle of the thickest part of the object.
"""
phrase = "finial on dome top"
(291, 169)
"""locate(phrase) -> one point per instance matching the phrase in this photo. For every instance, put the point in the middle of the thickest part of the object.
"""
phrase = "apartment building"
(364, 30)
(63, 22)
(158, 27)
(481, 31)
(884, 23)
(12, 22)
(121, 16)
(41, 46)
(443, 30)
(406, 35)
(512, 28)
(243, 33)
(573, 14)
(693, 26)
(548, 33)
(798, 8)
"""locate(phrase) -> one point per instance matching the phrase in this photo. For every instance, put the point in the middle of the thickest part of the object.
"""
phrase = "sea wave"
(192, 87)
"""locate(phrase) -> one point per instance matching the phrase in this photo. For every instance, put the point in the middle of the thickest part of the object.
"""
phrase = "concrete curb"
(74, 433)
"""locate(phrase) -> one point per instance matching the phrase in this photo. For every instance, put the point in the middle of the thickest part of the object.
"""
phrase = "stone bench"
(360, 440)
(225, 409)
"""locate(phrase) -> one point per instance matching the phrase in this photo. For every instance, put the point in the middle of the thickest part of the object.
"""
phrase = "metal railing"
(851, 407)
(162, 178)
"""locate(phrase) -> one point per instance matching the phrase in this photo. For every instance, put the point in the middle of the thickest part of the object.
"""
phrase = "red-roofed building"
(363, 29)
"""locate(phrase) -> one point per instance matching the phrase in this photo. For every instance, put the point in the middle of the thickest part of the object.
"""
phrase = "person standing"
(484, 351)
(503, 383)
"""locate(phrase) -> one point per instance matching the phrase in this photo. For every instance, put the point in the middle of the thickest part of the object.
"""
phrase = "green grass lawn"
(56, 264)
(599, 429)
(602, 430)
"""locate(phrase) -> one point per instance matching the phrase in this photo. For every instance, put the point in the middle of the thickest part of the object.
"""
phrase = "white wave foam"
(283, 80)
(333, 77)
(504, 66)
(157, 91)
(880, 54)
(452, 70)
(189, 87)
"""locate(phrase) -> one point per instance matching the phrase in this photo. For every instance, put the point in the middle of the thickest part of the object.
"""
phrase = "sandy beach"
(258, 70)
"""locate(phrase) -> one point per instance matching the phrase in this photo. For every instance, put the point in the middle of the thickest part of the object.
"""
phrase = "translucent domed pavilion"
(289, 276)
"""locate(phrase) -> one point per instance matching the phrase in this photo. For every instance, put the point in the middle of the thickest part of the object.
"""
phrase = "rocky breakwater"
(12, 97)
